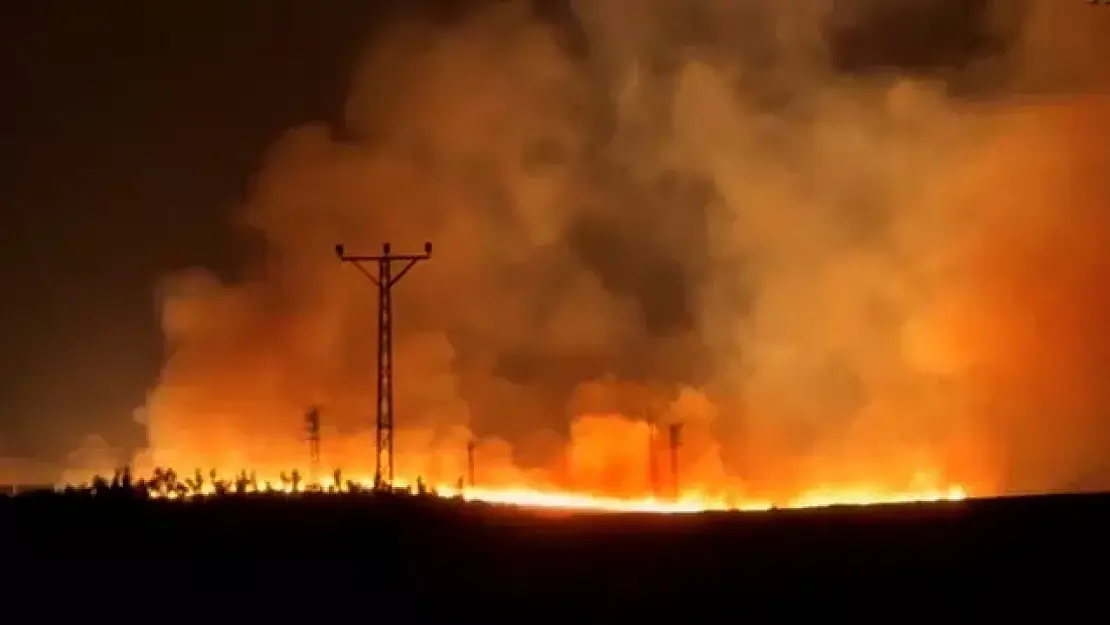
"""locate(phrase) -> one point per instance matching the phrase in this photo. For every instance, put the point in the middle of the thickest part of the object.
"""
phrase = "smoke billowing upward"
(685, 211)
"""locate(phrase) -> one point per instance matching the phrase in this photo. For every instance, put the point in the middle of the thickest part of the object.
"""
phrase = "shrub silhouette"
(242, 483)
(163, 484)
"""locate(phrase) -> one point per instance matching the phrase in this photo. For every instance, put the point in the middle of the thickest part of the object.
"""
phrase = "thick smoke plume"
(676, 211)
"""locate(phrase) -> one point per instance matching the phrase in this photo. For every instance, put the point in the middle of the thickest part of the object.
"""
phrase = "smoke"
(675, 211)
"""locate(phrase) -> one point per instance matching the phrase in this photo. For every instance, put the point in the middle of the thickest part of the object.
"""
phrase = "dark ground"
(966, 562)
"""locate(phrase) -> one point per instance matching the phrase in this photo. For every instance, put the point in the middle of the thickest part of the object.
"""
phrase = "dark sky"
(129, 130)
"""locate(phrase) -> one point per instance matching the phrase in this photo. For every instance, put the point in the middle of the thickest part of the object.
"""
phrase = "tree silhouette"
(242, 482)
(196, 485)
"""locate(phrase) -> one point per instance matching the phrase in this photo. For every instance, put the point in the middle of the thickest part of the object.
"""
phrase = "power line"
(385, 280)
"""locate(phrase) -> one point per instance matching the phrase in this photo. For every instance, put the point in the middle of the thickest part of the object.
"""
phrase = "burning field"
(848, 284)
(161, 486)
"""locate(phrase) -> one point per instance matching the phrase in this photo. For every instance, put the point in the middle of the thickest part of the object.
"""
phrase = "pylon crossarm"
(366, 272)
(380, 257)
(404, 270)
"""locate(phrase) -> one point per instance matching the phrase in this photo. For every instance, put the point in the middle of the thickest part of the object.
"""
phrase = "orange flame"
(686, 502)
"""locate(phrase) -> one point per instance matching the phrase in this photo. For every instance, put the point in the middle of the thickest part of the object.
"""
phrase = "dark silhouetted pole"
(312, 424)
(653, 462)
(470, 445)
(385, 281)
(675, 443)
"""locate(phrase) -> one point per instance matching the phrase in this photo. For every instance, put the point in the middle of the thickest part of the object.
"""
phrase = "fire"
(691, 502)
(685, 502)
(610, 463)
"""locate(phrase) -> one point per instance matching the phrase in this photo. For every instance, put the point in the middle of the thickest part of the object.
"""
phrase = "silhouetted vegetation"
(365, 542)
(164, 484)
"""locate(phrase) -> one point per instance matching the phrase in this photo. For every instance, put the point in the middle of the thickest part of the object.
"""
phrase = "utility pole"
(385, 280)
(675, 443)
(653, 464)
(312, 424)
(470, 446)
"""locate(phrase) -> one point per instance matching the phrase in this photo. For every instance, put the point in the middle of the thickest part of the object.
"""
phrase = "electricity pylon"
(385, 281)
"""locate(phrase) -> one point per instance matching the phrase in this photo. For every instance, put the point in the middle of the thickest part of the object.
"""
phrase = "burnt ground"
(433, 560)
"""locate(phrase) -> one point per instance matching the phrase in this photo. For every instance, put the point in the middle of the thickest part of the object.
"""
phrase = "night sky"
(130, 130)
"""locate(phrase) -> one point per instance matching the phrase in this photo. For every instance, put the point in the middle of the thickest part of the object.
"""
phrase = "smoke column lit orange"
(879, 291)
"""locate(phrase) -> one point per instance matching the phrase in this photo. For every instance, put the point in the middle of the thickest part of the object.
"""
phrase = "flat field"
(984, 558)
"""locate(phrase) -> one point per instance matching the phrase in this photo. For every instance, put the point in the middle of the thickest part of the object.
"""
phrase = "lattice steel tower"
(385, 281)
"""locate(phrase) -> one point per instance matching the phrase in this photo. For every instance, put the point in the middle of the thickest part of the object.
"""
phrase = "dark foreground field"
(972, 561)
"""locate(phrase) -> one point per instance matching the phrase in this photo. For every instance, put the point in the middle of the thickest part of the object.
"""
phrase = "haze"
(678, 211)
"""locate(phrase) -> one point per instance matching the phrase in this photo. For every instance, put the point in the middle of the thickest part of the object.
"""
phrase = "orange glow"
(903, 300)
(687, 502)
(606, 464)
